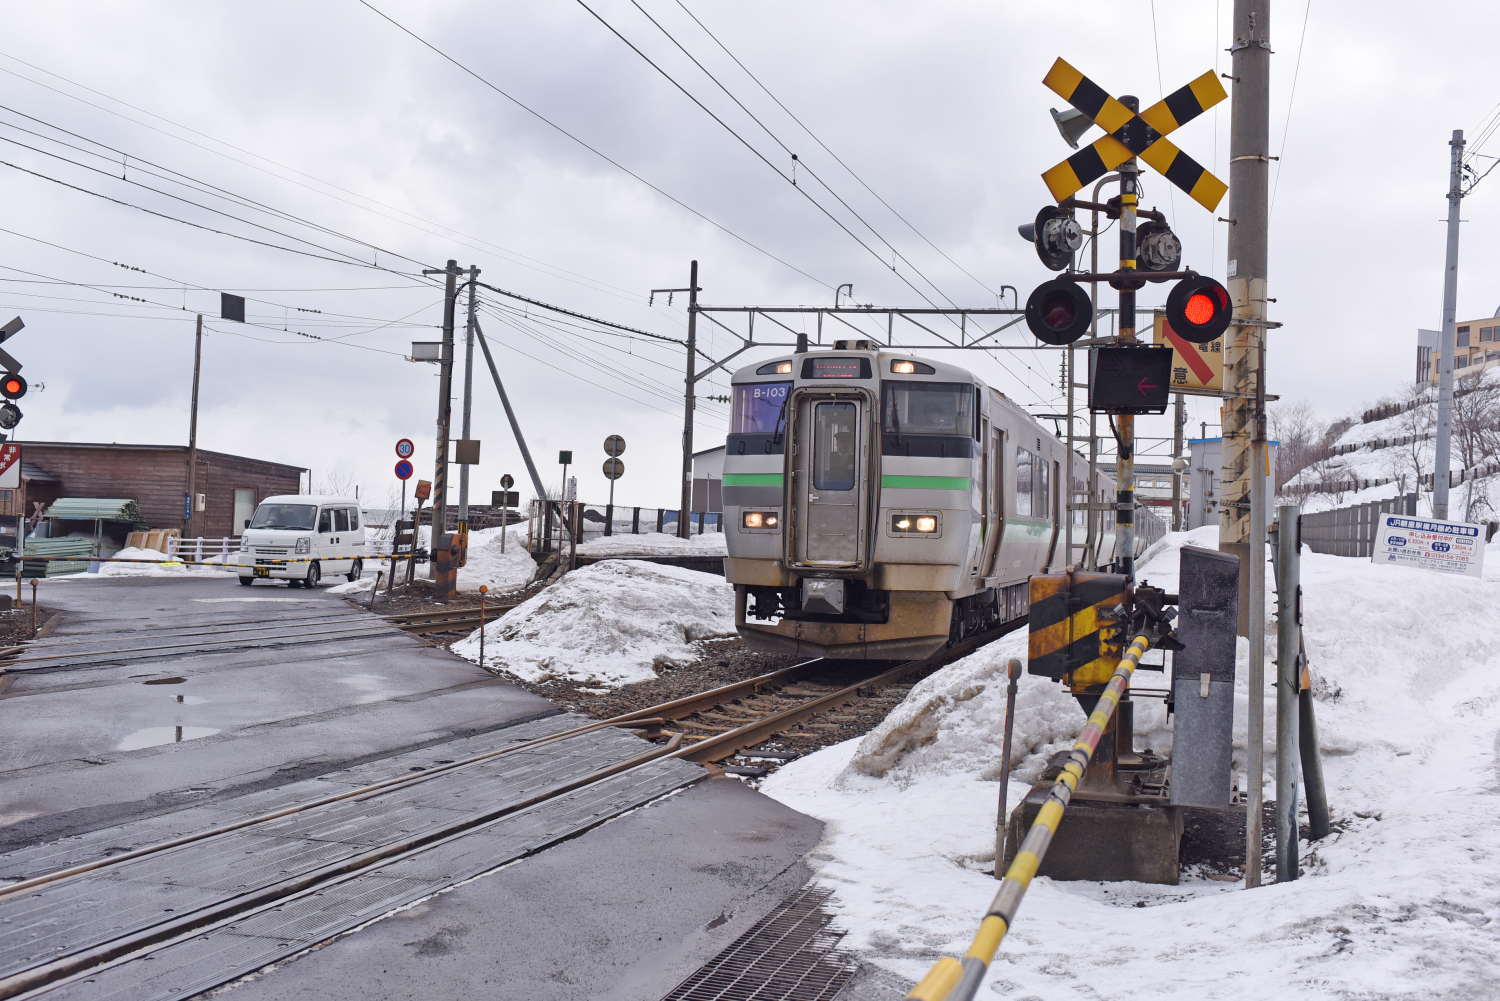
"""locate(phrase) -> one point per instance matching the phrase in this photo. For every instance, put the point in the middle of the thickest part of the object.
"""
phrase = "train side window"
(1080, 497)
(1023, 481)
(1043, 489)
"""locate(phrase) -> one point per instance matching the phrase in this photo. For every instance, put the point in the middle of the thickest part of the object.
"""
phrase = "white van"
(301, 538)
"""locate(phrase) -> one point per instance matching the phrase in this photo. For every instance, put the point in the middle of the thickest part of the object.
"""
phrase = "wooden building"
(155, 477)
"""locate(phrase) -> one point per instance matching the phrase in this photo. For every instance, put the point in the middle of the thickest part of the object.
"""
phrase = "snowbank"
(608, 624)
(655, 544)
(166, 567)
(498, 571)
(1402, 900)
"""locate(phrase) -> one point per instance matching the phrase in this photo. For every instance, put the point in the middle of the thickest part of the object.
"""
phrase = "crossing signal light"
(1157, 247)
(1056, 234)
(1198, 309)
(1059, 312)
(13, 386)
(10, 415)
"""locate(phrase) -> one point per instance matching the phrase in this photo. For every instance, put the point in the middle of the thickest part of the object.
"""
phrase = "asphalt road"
(624, 910)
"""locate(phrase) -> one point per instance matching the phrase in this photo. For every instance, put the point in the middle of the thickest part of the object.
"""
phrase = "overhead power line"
(612, 162)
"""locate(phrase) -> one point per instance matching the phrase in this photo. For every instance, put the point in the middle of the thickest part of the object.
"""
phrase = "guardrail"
(958, 980)
(544, 530)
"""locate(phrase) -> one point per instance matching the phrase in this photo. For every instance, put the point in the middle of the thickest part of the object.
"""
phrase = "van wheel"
(313, 576)
(247, 581)
(357, 571)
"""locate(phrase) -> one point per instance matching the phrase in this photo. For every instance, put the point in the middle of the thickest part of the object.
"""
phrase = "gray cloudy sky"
(328, 114)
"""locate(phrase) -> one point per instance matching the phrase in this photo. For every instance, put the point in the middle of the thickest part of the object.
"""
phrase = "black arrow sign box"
(1129, 380)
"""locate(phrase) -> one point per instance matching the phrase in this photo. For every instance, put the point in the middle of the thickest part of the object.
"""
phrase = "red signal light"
(13, 387)
(1198, 309)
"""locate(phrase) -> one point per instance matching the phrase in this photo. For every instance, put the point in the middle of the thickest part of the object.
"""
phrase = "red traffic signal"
(1198, 309)
(13, 386)
(1059, 312)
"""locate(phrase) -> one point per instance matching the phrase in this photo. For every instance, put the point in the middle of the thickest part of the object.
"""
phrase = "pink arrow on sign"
(1143, 386)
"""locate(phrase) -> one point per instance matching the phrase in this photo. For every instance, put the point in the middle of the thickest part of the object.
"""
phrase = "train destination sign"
(1451, 547)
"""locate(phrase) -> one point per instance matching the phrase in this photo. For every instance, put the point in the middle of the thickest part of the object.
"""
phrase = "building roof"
(118, 446)
(36, 474)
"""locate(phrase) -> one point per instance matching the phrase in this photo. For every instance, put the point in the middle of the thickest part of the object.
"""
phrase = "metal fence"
(546, 530)
(1350, 531)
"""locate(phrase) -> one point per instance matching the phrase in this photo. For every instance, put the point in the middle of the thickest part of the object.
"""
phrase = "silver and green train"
(880, 506)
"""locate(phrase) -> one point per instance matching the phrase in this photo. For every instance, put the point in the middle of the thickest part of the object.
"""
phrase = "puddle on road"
(370, 687)
(154, 735)
(164, 681)
(219, 601)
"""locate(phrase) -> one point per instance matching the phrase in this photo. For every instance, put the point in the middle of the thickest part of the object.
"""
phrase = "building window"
(1486, 333)
(1462, 361)
(1463, 337)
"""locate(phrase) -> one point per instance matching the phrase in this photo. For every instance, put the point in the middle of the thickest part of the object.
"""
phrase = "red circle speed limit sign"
(404, 448)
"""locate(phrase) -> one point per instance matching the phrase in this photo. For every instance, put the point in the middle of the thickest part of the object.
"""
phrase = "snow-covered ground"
(166, 566)
(1403, 900)
(607, 624)
(655, 544)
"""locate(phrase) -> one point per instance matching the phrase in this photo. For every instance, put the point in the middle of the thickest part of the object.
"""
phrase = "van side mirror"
(247, 522)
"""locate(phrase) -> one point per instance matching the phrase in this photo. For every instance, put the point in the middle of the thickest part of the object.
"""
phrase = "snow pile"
(166, 567)
(498, 571)
(608, 624)
(655, 544)
(1403, 899)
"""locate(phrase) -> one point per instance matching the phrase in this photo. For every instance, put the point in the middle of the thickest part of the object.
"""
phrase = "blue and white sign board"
(1444, 546)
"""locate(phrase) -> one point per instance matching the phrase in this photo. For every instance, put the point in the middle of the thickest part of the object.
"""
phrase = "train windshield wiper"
(780, 420)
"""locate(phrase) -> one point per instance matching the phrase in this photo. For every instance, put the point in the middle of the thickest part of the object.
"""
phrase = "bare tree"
(1301, 437)
(1476, 433)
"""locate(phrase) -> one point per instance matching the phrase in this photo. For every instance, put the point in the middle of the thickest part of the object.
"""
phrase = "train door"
(830, 472)
(994, 496)
(1057, 511)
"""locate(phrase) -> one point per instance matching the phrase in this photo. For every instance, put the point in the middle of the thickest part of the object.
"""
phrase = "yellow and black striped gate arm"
(954, 980)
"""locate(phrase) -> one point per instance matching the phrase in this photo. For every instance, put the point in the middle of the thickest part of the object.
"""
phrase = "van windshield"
(298, 516)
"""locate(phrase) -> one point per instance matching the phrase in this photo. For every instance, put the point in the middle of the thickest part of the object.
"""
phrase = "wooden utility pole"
(1242, 525)
(192, 470)
(445, 413)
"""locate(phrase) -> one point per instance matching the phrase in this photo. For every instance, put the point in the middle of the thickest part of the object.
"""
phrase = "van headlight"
(304, 545)
(760, 519)
(914, 524)
(244, 544)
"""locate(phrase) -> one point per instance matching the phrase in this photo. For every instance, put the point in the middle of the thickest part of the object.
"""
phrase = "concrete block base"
(1103, 841)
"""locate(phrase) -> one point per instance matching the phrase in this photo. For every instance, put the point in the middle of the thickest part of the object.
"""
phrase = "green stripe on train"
(752, 479)
(925, 482)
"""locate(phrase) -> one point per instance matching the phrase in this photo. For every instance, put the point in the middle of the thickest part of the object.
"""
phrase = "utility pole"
(463, 471)
(1125, 466)
(192, 476)
(1449, 344)
(1179, 421)
(1242, 509)
(445, 412)
(689, 403)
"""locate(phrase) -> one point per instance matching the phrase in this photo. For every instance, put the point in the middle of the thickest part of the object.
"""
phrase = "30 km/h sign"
(1134, 135)
(404, 450)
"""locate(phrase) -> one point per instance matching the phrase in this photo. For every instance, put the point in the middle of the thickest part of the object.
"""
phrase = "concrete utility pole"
(689, 402)
(463, 471)
(445, 412)
(1179, 421)
(1125, 466)
(1448, 345)
(1242, 508)
(192, 476)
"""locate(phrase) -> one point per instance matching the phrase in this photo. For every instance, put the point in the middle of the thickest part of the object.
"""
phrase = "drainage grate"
(790, 955)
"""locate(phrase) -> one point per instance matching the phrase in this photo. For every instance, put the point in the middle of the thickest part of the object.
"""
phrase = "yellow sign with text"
(1194, 366)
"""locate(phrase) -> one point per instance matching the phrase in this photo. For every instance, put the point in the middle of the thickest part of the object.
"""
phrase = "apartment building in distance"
(1477, 346)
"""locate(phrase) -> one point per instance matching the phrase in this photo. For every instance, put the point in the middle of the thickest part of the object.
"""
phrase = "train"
(881, 506)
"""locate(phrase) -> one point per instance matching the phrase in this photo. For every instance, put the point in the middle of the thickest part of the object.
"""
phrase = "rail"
(959, 980)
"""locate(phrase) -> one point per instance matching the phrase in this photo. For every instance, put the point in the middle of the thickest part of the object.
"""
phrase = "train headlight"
(759, 519)
(914, 524)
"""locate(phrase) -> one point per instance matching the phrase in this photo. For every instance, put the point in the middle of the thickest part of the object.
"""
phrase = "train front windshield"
(759, 408)
(929, 407)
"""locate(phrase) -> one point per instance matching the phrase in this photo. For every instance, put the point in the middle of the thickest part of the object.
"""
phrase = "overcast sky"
(330, 116)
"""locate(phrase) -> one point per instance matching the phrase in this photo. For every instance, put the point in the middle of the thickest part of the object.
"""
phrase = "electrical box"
(466, 451)
(200, 503)
(1203, 678)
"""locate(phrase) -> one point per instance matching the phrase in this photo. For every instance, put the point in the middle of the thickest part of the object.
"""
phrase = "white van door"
(324, 546)
(356, 536)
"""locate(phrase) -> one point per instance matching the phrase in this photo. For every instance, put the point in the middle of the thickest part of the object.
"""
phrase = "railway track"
(333, 862)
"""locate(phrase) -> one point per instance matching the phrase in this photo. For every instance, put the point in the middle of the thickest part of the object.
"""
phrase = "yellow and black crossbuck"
(1130, 134)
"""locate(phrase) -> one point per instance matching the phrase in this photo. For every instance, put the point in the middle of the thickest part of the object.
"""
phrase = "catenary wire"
(1287, 125)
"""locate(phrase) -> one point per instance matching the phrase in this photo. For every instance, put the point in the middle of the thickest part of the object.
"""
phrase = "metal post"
(1013, 672)
(192, 477)
(1449, 343)
(463, 471)
(483, 590)
(444, 418)
(1125, 464)
(1312, 762)
(688, 404)
(1179, 421)
(1072, 494)
(510, 415)
(609, 512)
(1242, 507)
(1288, 686)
